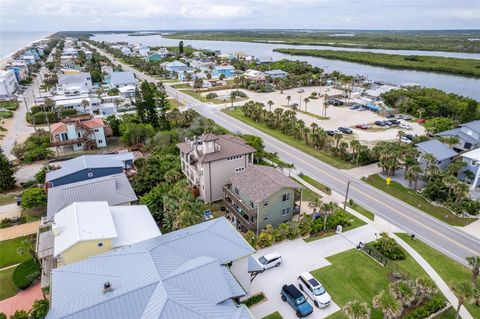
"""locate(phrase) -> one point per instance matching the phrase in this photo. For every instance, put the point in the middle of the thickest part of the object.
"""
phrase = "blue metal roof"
(177, 275)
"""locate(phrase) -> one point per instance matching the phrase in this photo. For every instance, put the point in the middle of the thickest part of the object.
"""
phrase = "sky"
(56, 15)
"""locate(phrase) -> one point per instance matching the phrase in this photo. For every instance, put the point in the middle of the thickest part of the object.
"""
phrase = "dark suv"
(297, 300)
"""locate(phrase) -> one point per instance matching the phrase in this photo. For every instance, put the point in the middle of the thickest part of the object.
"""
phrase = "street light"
(346, 196)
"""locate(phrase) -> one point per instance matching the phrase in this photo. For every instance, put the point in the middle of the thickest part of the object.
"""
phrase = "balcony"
(241, 219)
(235, 199)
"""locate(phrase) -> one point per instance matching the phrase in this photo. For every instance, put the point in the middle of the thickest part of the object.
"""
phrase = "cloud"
(232, 14)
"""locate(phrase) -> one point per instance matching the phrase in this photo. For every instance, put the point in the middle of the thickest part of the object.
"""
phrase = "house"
(85, 229)
(228, 71)
(87, 167)
(79, 102)
(107, 109)
(88, 54)
(114, 189)
(276, 74)
(260, 195)
(20, 68)
(176, 66)
(442, 153)
(142, 50)
(127, 91)
(471, 172)
(264, 60)
(209, 160)
(28, 58)
(8, 83)
(121, 78)
(376, 92)
(106, 69)
(254, 75)
(183, 275)
(159, 55)
(126, 51)
(468, 135)
(81, 132)
(81, 82)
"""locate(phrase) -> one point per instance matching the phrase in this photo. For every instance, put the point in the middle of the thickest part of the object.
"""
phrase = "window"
(100, 245)
(90, 174)
(233, 158)
(467, 146)
(252, 204)
(237, 191)
(265, 203)
(96, 130)
(100, 141)
(285, 211)
(239, 169)
(79, 144)
(286, 197)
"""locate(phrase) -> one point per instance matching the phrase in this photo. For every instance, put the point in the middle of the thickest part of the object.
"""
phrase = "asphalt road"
(447, 239)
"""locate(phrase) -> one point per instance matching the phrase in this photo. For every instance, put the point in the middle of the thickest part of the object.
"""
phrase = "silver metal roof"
(114, 189)
(179, 275)
(436, 148)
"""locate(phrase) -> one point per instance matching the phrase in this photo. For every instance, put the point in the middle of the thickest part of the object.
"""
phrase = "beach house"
(8, 83)
(78, 82)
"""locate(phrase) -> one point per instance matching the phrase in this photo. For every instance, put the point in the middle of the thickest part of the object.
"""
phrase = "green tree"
(3, 315)
(19, 314)
(288, 100)
(39, 309)
(162, 107)
(306, 100)
(180, 47)
(465, 292)
(474, 263)
(251, 238)
(198, 83)
(34, 197)
(270, 103)
(356, 310)
(114, 124)
(7, 180)
(135, 134)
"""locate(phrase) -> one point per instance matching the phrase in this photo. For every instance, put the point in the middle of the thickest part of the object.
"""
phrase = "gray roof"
(474, 126)
(115, 189)
(229, 146)
(276, 71)
(86, 161)
(258, 182)
(179, 275)
(122, 78)
(75, 77)
(436, 148)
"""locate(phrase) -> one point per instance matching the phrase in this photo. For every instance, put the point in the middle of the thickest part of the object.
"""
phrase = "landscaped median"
(412, 198)
(451, 271)
(300, 145)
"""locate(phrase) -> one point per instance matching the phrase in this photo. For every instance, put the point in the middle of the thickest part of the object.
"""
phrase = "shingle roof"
(437, 149)
(83, 162)
(258, 182)
(115, 189)
(178, 275)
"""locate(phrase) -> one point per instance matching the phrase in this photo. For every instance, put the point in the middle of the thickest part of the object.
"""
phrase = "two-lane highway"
(447, 239)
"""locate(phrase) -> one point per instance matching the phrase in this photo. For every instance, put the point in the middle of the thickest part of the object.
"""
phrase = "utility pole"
(346, 196)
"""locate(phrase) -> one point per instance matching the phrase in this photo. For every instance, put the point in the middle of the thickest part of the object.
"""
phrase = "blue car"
(295, 298)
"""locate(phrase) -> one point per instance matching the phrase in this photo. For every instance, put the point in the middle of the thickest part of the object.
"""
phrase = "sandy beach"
(9, 57)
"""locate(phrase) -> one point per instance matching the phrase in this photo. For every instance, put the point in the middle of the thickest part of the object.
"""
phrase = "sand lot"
(338, 116)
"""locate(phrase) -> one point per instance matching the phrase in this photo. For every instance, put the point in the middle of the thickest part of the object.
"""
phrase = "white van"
(314, 290)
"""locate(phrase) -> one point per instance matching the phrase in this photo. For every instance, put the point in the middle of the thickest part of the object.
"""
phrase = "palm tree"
(474, 263)
(325, 98)
(460, 190)
(356, 310)
(465, 292)
(306, 100)
(338, 137)
(404, 290)
(270, 103)
(400, 134)
(425, 289)
(420, 112)
(328, 209)
(84, 104)
(449, 181)
(314, 127)
(412, 175)
(288, 100)
(354, 145)
(315, 204)
(387, 303)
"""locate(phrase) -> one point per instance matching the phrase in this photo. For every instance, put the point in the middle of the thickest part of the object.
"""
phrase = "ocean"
(12, 41)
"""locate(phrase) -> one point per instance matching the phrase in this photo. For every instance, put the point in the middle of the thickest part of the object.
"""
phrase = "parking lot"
(298, 257)
(339, 116)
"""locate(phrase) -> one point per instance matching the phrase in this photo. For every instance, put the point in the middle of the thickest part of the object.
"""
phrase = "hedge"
(253, 300)
(26, 273)
(430, 307)
(6, 114)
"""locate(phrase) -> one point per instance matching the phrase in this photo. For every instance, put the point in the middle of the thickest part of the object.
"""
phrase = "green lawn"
(275, 315)
(359, 209)
(173, 103)
(7, 287)
(450, 270)
(9, 105)
(410, 197)
(307, 194)
(355, 276)
(325, 157)
(9, 255)
(355, 222)
(317, 184)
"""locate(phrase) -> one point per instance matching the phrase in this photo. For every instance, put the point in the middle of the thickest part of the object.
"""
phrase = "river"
(461, 85)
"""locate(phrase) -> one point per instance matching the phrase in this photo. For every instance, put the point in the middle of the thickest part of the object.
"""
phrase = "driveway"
(27, 172)
(10, 211)
(298, 257)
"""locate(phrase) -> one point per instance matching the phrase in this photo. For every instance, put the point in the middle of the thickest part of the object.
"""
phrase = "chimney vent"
(107, 286)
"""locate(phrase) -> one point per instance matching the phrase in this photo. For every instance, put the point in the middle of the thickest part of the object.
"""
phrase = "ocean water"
(12, 41)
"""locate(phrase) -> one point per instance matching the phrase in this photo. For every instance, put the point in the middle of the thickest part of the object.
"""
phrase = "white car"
(270, 260)
(300, 90)
(314, 290)
(405, 140)
(405, 126)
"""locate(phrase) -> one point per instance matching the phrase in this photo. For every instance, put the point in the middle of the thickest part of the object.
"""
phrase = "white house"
(127, 91)
(78, 82)
(77, 104)
(122, 78)
(8, 83)
(276, 74)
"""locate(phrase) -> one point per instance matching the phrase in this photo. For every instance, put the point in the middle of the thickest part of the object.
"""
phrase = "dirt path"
(19, 230)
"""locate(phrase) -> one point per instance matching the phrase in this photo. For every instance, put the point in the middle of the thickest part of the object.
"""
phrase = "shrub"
(389, 247)
(7, 222)
(211, 96)
(19, 314)
(3, 315)
(6, 114)
(39, 309)
(9, 105)
(253, 300)
(26, 273)
(68, 112)
(34, 197)
(251, 238)
(430, 307)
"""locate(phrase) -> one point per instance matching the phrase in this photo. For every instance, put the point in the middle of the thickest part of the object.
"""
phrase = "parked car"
(362, 126)
(409, 136)
(390, 116)
(406, 126)
(394, 122)
(314, 290)
(332, 132)
(354, 107)
(294, 105)
(361, 109)
(270, 260)
(421, 120)
(399, 117)
(405, 140)
(387, 123)
(380, 123)
(345, 130)
(297, 300)
(300, 90)
(407, 117)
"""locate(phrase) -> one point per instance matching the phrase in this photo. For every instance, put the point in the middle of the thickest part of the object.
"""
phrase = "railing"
(234, 197)
(231, 209)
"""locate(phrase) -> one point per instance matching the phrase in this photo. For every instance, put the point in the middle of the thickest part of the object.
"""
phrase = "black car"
(380, 123)
(409, 136)
(390, 116)
(331, 133)
(387, 123)
(345, 130)
(395, 122)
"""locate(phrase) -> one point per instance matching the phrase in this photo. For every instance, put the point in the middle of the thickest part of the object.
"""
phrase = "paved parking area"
(298, 257)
